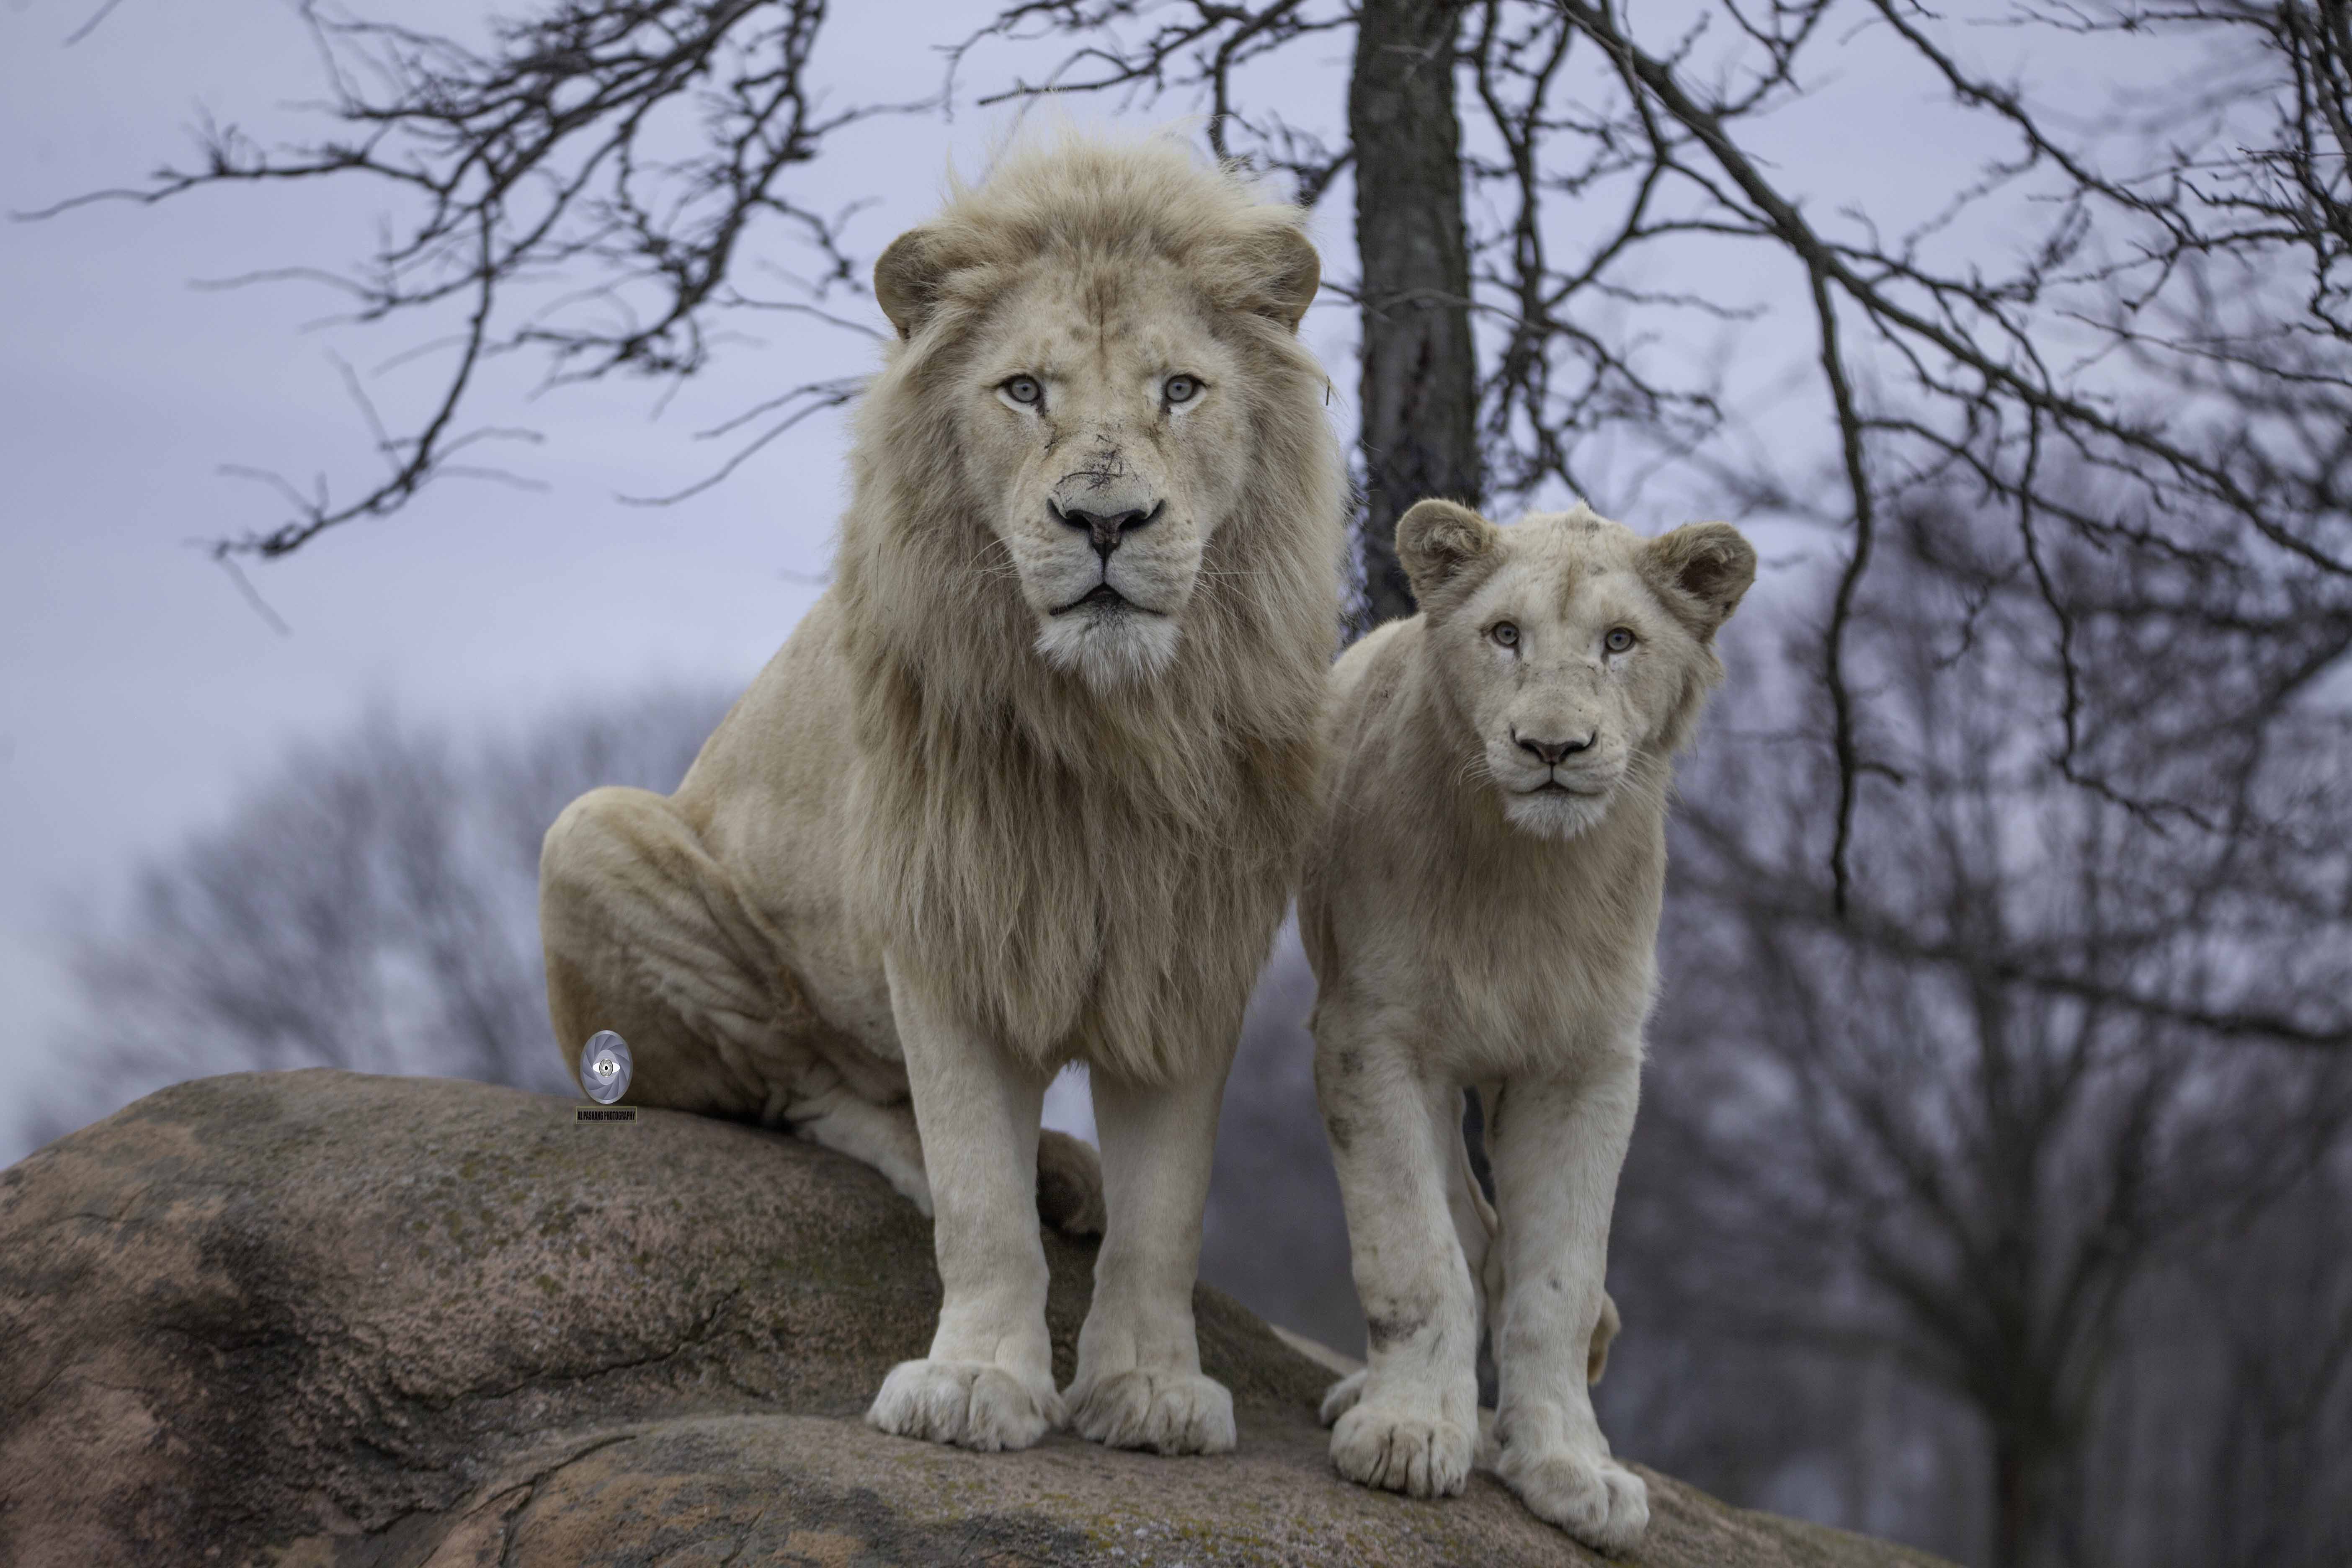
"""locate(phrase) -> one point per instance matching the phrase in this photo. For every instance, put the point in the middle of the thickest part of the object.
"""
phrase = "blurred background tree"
(2059, 1056)
(1991, 1193)
(372, 904)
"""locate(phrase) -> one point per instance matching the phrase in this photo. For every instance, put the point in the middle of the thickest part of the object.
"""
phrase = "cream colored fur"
(1481, 909)
(971, 823)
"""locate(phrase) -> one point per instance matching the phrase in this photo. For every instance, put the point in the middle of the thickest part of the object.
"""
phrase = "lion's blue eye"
(1181, 389)
(1025, 390)
(1618, 641)
(1504, 633)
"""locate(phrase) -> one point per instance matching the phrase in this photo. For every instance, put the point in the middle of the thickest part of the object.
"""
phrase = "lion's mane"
(1093, 874)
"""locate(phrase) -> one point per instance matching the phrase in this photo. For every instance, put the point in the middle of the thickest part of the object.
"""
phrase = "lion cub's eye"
(1504, 633)
(1024, 390)
(1617, 640)
(1180, 389)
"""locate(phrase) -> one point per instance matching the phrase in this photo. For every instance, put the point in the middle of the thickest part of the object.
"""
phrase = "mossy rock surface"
(317, 1318)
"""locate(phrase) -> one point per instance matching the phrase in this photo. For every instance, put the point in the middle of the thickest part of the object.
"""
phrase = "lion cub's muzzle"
(1551, 753)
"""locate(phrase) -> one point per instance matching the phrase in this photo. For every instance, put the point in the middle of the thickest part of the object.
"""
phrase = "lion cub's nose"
(1105, 530)
(1551, 753)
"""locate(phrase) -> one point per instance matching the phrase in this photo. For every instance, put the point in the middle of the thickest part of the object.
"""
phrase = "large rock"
(320, 1318)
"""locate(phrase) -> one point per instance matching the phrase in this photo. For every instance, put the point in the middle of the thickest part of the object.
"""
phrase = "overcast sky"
(139, 691)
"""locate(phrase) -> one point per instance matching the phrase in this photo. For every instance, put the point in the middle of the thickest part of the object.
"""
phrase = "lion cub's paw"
(973, 1404)
(1342, 1395)
(1418, 1455)
(1168, 1412)
(1590, 1496)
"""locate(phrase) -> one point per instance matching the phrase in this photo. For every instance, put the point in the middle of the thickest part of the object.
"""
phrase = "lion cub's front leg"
(1413, 1424)
(989, 1380)
(1139, 1383)
(1556, 1148)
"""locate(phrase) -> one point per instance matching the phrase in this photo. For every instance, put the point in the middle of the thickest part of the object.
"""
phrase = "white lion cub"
(1481, 909)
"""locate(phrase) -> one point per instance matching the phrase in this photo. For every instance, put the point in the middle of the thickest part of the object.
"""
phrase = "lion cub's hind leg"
(1409, 1422)
(1140, 1384)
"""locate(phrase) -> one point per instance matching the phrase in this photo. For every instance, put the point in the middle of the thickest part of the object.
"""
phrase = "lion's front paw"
(1590, 1496)
(973, 1404)
(1419, 1455)
(1170, 1411)
(1342, 1395)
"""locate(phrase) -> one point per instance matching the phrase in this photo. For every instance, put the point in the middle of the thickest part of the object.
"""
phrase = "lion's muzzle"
(1106, 531)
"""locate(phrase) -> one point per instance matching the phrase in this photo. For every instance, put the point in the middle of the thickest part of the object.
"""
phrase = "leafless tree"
(2224, 1437)
(2056, 1044)
(2176, 323)
(373, 906)
(2270, 1481)
(638, 156)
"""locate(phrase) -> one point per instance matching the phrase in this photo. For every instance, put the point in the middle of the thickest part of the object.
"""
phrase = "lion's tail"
(1069, 1184)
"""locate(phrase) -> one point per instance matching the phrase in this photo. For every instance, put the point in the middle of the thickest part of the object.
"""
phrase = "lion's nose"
(1105, 530)
(1551, 753)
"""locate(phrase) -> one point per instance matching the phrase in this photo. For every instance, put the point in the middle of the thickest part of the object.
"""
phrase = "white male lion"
(1028, 784)
(1481, 909)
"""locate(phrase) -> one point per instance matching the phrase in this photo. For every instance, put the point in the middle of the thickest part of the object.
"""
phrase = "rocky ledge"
(315, 1318)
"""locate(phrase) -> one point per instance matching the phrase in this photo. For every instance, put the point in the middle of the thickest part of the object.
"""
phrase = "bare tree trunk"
(1420, 367)
(2036, 1492)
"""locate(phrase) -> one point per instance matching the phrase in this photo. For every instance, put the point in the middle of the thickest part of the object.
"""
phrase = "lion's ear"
(1701, 569)
(907, 278)
(1268, 268)
(1292, 272)
(1437, 540)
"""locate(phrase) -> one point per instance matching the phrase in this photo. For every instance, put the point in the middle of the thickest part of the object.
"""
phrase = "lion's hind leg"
(1069, 1174)
(645, 935)
(825, 1111)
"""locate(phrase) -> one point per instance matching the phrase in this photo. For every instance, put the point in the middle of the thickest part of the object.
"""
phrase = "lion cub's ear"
(1700, 571)
(907, 278)
(1437, 540)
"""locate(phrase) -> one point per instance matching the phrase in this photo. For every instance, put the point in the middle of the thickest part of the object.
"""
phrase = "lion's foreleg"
(988, 1382)
(1410, 1423)
(1557, 1148)
(1139, 1383)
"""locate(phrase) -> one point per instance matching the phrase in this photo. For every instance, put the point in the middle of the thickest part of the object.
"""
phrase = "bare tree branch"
(554, 151)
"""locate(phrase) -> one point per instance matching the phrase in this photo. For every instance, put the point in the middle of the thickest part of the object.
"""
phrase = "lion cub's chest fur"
(1497, 951)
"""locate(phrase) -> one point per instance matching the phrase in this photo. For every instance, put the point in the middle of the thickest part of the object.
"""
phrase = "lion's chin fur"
(1558, 817)
(1109, 648)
